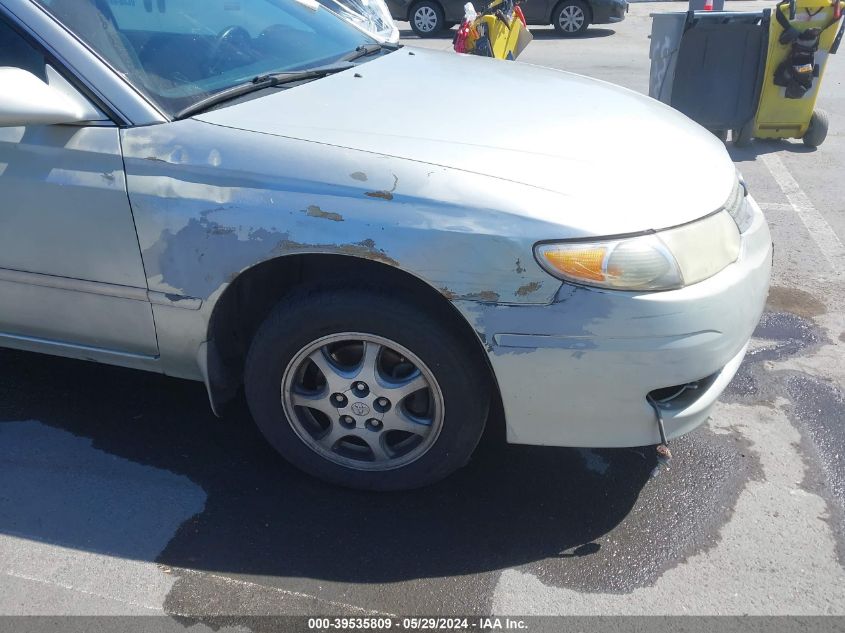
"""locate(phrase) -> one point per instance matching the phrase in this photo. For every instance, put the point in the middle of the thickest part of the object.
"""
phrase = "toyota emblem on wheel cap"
(359, 408)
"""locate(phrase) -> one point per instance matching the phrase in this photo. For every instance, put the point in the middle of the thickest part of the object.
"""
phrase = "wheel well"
(249, 298)
(587, 6)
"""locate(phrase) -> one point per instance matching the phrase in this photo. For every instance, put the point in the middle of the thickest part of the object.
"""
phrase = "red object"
(460, 43)
(518, 12)
(708, 5)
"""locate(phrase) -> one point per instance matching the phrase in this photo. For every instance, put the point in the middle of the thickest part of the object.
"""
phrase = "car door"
(71, 277)
(536, 11)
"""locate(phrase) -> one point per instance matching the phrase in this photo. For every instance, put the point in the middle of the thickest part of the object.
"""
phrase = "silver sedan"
(375, 241)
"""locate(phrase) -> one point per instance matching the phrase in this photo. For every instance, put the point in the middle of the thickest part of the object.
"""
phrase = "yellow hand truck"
(801, 38)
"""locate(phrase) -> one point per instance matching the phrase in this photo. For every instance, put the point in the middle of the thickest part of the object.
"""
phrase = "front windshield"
(181, 51)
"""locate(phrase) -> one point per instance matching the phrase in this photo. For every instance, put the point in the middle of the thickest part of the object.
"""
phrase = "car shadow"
(550, 34)
(760, 147)
(255, 514)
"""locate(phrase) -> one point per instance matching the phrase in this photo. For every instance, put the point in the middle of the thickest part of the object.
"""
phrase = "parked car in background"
(372, 16)
(428, 18)
(258, 194)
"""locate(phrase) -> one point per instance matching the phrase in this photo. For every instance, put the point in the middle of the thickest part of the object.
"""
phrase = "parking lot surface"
(122, 494)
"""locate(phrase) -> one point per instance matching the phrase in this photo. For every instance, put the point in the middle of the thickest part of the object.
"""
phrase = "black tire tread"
(396, 306)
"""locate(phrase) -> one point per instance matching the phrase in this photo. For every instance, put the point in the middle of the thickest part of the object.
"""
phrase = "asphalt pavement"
(120, 492)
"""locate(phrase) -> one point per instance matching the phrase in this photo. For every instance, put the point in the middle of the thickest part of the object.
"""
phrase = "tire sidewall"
(465, 397)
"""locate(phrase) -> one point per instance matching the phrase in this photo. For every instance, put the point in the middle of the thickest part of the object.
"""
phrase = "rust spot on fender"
(359, 175)
(527, 289)
(316, 212)
(519, 268)
(368, 249)
(485, 295)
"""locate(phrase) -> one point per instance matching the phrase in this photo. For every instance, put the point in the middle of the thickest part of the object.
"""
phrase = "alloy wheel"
(362, 401)
(571, 18)
(425, 19)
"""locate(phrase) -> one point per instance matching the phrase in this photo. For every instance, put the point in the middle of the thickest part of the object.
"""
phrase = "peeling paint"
(367, 249)
(487, 296)
(201, 225)
(528, 288)
(385, 195)
(316, 212)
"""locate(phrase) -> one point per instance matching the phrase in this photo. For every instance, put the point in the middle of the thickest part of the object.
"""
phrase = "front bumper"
(577, 372)
(608, 11)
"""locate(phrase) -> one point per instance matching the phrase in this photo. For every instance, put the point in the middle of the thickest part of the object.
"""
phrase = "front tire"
(571, 18)
(366, 389)
(427, 19)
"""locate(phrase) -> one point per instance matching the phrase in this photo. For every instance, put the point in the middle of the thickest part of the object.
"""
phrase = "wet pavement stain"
(819, 409)
(794, 301)
(678, 514)
(779, 335)
(816, 407)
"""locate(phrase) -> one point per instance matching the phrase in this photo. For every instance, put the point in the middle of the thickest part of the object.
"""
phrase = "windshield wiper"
(369, 49)
(258, 83)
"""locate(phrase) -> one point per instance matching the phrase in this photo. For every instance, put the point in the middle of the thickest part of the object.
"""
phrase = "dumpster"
(802, 36)
(709, 65)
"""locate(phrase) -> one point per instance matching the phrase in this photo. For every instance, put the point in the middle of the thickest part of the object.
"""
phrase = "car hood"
(627, 162)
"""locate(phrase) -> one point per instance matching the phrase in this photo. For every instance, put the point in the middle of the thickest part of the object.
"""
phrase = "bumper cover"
(577, 372)
(608, 11)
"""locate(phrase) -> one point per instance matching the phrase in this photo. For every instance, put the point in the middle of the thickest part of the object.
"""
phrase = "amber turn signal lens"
(585, 263)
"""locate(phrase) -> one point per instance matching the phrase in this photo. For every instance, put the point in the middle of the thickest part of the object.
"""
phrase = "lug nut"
(361, 389)
(373, 424)
(347, 420)
(339, 400)
(382, 404)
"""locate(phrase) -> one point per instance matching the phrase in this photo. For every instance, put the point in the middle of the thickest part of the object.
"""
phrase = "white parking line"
(280, 591)
(775, 206)
(822, 233)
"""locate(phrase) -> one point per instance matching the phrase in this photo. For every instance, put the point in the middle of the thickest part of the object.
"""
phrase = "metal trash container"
(666, 32)
(709, 64)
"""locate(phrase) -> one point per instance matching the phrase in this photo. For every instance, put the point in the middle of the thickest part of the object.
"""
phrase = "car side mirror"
(26, 100)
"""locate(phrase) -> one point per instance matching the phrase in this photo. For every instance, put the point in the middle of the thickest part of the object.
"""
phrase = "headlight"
(664, 260)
